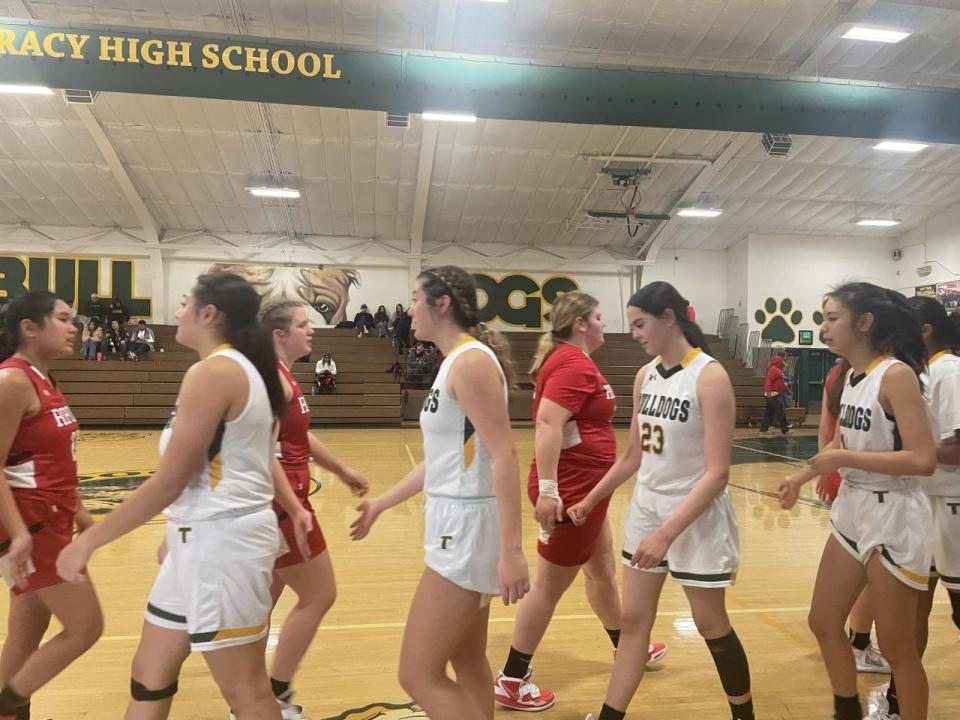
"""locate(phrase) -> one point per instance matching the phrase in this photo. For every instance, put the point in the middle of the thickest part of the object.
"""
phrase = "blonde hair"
(459, 285)
(563, 316)
(278, 314)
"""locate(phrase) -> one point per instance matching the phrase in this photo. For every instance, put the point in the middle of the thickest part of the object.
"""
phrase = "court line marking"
(792, 460)
(413, 463)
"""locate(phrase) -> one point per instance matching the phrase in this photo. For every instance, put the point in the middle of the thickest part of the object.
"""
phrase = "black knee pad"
(140, 692)
(731, 662)
(24, 712)
(955, 603)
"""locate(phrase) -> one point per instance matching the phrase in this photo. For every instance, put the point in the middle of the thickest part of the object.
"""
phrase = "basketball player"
(310, 576)
(472, 515)
(681, 519)
(881, 522)
(39, 506)
(573, 405)
(215, 479)
(941, 386)
(868, 658)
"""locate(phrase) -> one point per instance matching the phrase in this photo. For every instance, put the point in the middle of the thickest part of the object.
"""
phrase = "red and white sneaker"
(658, 651)
(521, 694)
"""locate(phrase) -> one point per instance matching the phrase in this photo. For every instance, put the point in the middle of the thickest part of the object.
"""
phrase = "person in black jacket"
(115, 341)
(118, 311)
(363, 321)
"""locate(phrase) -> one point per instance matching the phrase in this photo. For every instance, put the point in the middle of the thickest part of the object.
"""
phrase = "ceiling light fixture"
(872, 34)
(25, 90)
(274, 192)
(449, 117)
(900, 146)
(877, 222)
(695, 212)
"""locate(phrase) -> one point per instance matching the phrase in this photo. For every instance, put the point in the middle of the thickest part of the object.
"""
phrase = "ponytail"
(658, 297)
(946, 328)
(836, 389)
(564, 314)
(895, 329)
(239, 303)
(497, 342)
(35, 305)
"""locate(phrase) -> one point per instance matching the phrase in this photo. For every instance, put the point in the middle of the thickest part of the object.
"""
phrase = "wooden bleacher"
(619, 359)
(142, 393)
(115, 393)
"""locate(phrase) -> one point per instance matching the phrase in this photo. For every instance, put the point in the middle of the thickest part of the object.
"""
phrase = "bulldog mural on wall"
(325, 290)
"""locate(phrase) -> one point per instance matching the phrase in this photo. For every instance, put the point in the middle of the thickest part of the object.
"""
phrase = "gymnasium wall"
(937, 243)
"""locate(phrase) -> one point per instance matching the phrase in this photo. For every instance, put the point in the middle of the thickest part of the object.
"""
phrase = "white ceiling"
(495, 181)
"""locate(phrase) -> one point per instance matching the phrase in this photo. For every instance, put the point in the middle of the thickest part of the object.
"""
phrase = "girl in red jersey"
(574, 447)
(311, 577)
(38, 503)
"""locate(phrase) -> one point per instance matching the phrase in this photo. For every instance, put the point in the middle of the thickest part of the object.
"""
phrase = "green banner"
(289, 72)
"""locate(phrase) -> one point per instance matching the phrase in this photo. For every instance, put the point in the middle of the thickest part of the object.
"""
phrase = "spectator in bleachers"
(381, 321)
(143, 340)
(94, 309)
(401, 331)
(363, 321)
(118, 311)
(325, 375)
(419, 364)
(115, 341)
(91, 339)
(398, 313)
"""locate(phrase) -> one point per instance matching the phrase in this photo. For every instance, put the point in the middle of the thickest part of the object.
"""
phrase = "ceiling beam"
(652, 245)
(509, 90)
(99, 135)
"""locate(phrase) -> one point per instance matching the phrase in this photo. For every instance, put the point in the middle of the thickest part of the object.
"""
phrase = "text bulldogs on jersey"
(661, 406)
(854, 418)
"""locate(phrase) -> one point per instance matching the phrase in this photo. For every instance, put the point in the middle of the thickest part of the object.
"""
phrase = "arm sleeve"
(569, 384)
(948, 410)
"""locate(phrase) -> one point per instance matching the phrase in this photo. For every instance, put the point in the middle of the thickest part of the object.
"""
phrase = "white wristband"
(549, 488)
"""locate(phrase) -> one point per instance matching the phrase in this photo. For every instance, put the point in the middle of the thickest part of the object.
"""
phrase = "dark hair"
(895, 328)
(658, 297)
(141, 322)
(460, 287)
(239, 303)
(836, 390)
(946, 328)
(35, 305)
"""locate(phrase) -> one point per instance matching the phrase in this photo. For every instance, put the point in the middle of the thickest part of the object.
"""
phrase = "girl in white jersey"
(215, 479)
(881, 521)
(681, 519)
(941, 390)
(472, 515)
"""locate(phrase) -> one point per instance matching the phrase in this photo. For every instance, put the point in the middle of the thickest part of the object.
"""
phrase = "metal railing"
(753, 341)
(722, 322)
(743, 332)
(761, 358)
(730, 333)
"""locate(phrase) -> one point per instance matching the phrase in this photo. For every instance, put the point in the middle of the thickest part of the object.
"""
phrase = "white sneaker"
(869, 660)
(877, 702)
(288, 711)
(882, 715)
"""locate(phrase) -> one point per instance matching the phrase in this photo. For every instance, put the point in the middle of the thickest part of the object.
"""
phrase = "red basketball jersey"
(42, 461)
(294, 441)
(571, 379)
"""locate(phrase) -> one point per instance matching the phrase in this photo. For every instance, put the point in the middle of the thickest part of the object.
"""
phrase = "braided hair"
(459, 286)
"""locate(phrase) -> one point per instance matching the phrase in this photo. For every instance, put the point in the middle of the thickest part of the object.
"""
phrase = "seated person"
(381, 321)
(143, 339)
(91, 339)
(115, 341)
(363, 321)
(325, 373)
(419, 363)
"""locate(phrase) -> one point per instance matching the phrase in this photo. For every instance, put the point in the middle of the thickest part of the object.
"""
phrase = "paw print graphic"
(778, 322)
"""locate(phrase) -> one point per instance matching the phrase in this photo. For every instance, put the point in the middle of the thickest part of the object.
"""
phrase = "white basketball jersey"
(941, 390)
(670, 423)
(237, 475)
(865, 426)
(457, 463)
